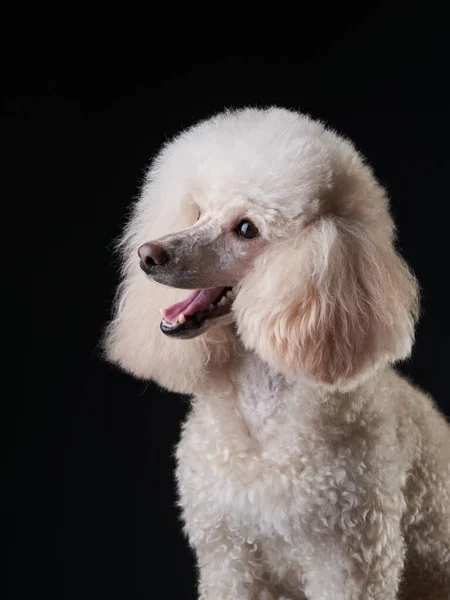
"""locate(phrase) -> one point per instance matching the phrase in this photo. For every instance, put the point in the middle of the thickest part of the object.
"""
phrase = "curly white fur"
(307, 467)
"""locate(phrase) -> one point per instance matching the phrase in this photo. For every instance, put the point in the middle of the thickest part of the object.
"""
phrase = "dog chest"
(225, 476)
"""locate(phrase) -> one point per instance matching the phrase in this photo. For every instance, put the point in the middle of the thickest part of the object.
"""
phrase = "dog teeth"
(230, 295)
(211, 307)
(161, 312)
(223, 302)
(167, 324)
(181, 319)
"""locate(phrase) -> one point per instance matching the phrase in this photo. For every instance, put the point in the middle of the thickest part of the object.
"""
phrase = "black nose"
(151, 255)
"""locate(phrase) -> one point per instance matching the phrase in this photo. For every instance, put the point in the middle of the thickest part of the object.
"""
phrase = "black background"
(90, 490)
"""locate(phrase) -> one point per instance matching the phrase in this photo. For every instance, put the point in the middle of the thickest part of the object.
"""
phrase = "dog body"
(307, 468)
(287, 489)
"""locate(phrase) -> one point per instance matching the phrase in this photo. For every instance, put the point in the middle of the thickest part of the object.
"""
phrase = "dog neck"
(259, 391)
(260, 396)
(268, 401)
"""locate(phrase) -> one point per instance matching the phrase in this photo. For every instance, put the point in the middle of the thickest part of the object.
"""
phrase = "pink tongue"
(197, 300)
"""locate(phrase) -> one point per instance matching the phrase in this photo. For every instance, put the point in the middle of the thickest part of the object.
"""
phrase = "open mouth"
(188, 318)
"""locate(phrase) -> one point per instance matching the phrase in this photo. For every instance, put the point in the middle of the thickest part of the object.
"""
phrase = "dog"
(307, 467)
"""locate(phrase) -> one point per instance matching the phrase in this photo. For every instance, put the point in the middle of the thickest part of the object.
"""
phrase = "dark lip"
(194, 325)
(185, 331)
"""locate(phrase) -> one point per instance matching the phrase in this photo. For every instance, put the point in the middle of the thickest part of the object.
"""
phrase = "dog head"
(283, 239)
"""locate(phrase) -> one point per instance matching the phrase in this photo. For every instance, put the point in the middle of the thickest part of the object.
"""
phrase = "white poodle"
(307, 468)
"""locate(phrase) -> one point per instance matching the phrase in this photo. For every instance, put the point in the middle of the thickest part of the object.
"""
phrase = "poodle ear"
(332, 307)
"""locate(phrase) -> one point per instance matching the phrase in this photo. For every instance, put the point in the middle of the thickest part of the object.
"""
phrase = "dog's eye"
(246, 230)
